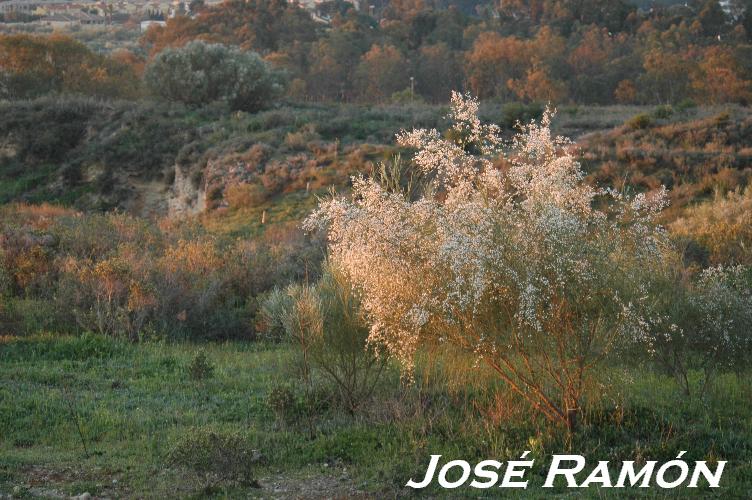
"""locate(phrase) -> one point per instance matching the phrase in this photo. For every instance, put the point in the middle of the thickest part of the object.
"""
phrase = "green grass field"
(91, 414)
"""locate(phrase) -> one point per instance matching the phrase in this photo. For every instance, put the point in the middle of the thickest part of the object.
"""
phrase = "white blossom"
(491, 259)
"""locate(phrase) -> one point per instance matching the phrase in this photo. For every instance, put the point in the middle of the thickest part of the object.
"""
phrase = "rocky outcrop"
(185, 197)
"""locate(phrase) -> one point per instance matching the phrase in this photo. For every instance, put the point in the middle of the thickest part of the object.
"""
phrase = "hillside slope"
(154, 160)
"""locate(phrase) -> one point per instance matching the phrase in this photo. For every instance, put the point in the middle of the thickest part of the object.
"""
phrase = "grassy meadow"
(97, 415)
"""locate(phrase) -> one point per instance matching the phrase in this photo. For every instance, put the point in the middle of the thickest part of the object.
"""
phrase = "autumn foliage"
(34, 65)
(591, 51)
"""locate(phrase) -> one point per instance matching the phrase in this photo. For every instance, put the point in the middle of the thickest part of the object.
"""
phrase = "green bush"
(701, 325)
(686, 105)
(274, 305)
(518, 112)
(221, 455)
(281, 400)
(200, 72)
(327, 326)
(200, 367)
(639, 122)
(663, 112)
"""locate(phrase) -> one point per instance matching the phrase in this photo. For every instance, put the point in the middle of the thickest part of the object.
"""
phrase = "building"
(23, 6)
(74, 18)
(145, 25)
(30, 6)
(313, 5)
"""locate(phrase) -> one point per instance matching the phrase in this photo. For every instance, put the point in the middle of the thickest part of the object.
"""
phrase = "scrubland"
(213, 355)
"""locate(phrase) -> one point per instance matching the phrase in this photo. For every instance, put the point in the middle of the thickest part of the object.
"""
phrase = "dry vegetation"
(167, 327)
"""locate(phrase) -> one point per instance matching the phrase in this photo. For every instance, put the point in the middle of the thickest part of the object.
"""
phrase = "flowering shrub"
(704, 324)
(723, 301)
(515, 266)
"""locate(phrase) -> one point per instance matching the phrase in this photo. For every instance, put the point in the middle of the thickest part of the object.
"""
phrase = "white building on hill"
(312, 5)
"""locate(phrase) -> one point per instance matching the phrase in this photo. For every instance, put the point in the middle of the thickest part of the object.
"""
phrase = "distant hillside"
(692, 155)
(152, 159)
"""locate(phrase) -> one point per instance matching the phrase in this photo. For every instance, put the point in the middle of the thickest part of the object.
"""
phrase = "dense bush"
(514, 267)
(245, 195)
(200, 367)
(327, 326)
(515, 113)
(641, 121)
(274, 306)
(47, 128)
(200, 73)
(703, 324)
(220, 455)
(31, 66)
(122, 276)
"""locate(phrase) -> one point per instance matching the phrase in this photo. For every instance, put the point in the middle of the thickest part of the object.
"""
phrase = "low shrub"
(220, 455)
(720, 229)
(274, 305)
(328, 328)
(515, 113)
(125, 277)
(200, 367)
(245, 195)
(686, 105)
(663, 112)
(281, 400)
(639, 122)
(111, 297)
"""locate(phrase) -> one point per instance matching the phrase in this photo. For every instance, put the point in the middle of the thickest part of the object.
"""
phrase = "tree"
(718, 78)
(438, 72)
(382, 71)
(666, 77)
(537, 85)
(626, 92)
(450, 27)
(589, 61)
(514, 268)
(712, 18)
(404, 9)
(493, 61)
(201, 72)
(333, 62)
(259, 25)
(35, 65)
(565, 14)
